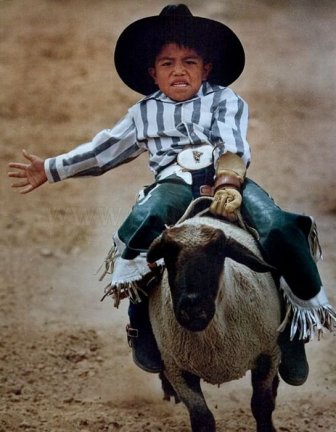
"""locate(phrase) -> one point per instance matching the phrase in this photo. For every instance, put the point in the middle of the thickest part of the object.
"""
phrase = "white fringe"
(309, 318)
(123, 290)
(125, 276)
(314, 243)
(108, 263)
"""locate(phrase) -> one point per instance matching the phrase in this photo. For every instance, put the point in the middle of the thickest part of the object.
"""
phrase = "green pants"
(283, 236)
(162, 204)
(283, 240)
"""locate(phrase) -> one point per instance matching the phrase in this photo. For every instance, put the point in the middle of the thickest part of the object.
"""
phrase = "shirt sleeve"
(229, 127)
(108, 149)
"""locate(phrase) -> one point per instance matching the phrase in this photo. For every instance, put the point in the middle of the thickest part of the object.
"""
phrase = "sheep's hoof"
(168, 390)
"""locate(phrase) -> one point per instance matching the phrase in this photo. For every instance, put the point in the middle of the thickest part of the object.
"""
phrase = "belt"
(187, 176)
(176, 169)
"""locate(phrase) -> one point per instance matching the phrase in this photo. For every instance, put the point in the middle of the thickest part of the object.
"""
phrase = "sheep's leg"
(188, 389)
(265, 383)
(168, 389)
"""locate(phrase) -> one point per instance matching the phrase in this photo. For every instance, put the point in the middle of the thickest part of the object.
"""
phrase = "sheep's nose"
(191, 308)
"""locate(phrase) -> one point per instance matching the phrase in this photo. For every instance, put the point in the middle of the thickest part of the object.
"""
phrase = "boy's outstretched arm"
(31, 175)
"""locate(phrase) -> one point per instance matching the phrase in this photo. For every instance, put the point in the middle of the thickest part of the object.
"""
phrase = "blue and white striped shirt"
(162, 127)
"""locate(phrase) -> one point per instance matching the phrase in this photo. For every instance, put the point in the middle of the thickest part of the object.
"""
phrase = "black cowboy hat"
(142, 40)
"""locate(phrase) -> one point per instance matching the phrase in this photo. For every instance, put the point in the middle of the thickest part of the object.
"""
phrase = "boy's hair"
(182, 38)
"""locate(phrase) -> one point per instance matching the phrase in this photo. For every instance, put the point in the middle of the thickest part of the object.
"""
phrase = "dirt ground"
(64, 362)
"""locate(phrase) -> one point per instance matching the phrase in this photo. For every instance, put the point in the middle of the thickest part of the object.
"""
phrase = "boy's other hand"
(31, 175)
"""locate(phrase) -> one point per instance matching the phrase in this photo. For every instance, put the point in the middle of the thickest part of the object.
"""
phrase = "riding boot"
(140, 336)
(294, 368)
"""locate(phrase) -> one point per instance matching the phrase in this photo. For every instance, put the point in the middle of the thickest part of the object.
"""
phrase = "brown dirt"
(64, 362)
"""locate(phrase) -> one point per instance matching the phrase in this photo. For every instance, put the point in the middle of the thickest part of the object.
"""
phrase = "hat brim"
(134, 43)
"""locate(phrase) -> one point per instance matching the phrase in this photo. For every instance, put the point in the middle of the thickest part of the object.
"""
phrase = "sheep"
(215, 315)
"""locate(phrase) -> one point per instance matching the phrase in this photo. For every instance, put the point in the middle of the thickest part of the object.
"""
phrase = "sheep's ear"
(243, 255)
(155, 251)
(165, 246)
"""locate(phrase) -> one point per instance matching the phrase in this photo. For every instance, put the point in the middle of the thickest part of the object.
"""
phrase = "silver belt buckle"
(196, 158)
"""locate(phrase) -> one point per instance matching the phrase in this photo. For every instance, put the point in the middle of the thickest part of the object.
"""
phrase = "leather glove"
(226, 203)
(230, 174)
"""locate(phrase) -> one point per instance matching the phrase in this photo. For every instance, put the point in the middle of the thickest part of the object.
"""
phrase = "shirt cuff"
(51, 171)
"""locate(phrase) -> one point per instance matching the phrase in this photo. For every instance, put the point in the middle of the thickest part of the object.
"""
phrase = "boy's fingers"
(18, 165)
(28, 156)
(17, 174)
(20, 183)
(27, 189)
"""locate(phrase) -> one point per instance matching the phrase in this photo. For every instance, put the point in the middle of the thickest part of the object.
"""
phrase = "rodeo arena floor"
(65, 365)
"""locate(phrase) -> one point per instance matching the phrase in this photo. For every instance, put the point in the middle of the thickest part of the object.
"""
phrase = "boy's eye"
(166, 63)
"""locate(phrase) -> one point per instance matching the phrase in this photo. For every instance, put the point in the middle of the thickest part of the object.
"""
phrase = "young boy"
(194, 129)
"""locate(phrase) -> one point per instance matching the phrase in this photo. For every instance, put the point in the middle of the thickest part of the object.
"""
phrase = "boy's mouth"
(179, 84)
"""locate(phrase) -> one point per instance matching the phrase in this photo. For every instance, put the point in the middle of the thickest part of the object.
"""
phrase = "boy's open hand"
(31, 175)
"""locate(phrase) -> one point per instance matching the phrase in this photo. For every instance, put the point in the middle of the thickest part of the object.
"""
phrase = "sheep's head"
(194, 258)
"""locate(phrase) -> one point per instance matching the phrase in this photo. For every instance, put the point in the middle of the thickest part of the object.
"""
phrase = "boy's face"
(179, 72)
